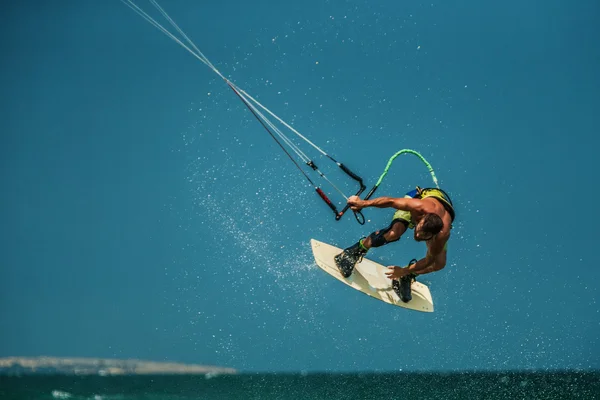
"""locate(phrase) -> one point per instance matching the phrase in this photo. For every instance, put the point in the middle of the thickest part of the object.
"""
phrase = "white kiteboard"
(369, 277)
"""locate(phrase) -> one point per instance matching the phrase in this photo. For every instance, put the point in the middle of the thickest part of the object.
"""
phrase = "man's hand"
(396, 272)
(355, 203)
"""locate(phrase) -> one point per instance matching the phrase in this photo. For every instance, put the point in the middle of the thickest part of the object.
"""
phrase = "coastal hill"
(101, 366)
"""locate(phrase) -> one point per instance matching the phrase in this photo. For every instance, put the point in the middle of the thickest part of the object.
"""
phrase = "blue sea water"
(406, 386)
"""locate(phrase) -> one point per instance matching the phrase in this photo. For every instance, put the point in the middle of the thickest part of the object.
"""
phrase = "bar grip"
(352, 174)
(326, 200)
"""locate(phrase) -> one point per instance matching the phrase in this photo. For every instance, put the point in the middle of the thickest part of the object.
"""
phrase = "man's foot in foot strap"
(403, 286)
(347, 259)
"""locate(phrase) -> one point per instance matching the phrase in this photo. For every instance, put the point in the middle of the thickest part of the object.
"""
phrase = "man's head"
(429, 226)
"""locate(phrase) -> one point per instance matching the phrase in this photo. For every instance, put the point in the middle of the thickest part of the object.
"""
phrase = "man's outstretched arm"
(406, 204)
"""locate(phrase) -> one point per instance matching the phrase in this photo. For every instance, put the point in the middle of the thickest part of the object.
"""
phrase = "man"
(429, 212)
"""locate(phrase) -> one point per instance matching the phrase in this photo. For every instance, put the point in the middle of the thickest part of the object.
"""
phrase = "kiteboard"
(369, 277)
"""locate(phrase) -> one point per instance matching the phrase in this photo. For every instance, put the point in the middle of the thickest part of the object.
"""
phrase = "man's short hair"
(432, 223)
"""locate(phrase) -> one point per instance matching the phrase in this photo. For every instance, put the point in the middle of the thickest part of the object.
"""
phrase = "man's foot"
(403, 287)
(347, 259)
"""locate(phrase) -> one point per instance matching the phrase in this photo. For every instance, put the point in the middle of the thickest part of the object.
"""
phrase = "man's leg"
(346, 260)
(388, 235)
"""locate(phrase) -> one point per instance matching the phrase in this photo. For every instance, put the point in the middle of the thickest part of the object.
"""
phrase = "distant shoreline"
(101, 366)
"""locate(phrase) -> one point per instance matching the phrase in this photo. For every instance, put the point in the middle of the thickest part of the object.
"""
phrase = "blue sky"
(146, 213)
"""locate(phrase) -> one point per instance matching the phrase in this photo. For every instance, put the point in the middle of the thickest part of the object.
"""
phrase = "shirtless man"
(429, 212)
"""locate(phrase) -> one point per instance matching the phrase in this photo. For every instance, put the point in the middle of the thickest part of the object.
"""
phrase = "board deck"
(369, 278)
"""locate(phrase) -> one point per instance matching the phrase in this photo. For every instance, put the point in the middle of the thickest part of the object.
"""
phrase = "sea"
(380, 386)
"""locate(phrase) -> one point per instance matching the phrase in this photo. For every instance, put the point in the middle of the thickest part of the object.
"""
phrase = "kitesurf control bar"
(338, 215)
